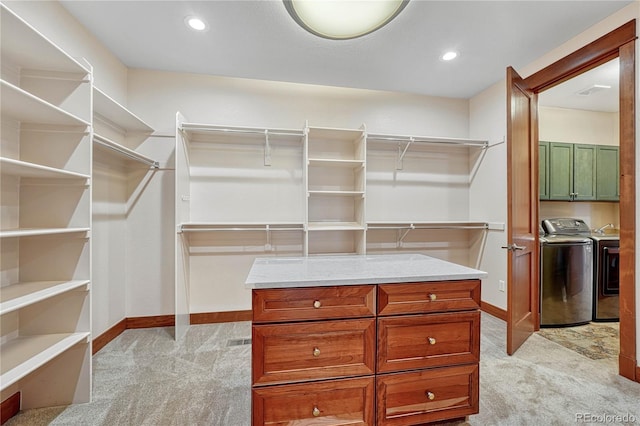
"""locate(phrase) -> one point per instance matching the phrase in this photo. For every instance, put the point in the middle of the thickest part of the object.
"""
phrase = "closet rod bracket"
(267, 149)
(402, 152)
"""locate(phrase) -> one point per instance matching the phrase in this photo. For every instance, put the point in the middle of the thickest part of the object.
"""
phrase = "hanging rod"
(429, 226)
(109, 144)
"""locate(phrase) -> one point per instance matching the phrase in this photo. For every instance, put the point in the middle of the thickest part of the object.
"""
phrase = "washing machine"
(566, 273)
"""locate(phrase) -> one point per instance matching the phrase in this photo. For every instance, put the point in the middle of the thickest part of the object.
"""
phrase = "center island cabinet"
(364, 340)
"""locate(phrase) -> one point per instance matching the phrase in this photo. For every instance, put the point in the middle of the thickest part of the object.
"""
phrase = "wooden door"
(584, 172)
(522, 214)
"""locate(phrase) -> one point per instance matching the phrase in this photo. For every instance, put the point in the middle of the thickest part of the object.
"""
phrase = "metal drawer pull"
(317, 304)
(316, 352)
(430, 395)
(315, 412)
(432, 297)
(432, 340)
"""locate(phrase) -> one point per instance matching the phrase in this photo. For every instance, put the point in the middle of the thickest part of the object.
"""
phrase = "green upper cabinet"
(543, 169)
(584, 172)
(578, 172)
(608, 173)
(560, 171)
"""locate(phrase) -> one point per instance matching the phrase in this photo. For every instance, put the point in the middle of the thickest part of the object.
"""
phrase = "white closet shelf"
(24, 106)
(108, 146)
(428, 225)
(108, 108)
(9, 166)
(332, 162)
(17, 296)
(24, 354)
(336, 193)
(427, 140)
(31, 232)
(335, 226)
(246, 226)
(42, 54)
(202, 128)
(351, 135)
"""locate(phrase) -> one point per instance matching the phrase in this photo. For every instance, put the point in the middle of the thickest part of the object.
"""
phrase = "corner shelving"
(45, 243)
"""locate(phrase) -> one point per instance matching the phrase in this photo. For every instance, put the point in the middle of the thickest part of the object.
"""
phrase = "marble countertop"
(287, 272)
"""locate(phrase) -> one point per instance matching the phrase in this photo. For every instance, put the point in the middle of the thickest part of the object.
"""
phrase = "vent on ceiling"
(593, 89)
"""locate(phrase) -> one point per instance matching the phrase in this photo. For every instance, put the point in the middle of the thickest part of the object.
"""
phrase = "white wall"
(578, 126)
(490, 107)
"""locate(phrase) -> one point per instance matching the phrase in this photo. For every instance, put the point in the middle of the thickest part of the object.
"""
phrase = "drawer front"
(427, 396)
(335, 402)
(412, 342)
(299, 304)
(424, 297)
(313, 350)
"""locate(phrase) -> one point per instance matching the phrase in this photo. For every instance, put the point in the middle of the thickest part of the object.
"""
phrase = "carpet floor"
(144, 377)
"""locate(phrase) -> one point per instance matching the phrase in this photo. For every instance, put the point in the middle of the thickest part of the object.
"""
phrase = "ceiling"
(257, 39)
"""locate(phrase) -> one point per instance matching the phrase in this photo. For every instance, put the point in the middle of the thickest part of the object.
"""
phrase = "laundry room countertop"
(312, 271)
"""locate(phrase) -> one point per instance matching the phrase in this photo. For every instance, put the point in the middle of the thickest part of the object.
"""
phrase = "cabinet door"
(607, 173)
(543, 170)
(560, 171)
(584, 172)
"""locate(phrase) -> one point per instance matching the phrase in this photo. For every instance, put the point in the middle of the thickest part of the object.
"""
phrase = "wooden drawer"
(427, 396)
(298, 304)
(335, 402)
(313, 350)
(432, 340)
(424, 297)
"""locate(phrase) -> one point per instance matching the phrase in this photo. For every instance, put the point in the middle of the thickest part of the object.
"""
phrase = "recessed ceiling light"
(448, 56)
(195, 23)
(341, 20)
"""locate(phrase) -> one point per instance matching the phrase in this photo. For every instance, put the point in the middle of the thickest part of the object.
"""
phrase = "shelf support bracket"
(402, 152)
(404, 234)
(267, 149)
(267, 246)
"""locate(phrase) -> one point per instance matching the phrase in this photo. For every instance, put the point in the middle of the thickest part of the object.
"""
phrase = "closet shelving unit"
(45, 243)
(336, 186)
(120, 175)
(239, 195)
(400, 166)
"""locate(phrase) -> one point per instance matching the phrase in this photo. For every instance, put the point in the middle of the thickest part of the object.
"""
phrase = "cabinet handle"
(432, 340)
(430, 395)
(432, 297)
(317, 304)
(315, 412)
(316, 352)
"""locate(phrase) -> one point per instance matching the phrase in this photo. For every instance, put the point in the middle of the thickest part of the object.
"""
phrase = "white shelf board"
(9, 166)
(30, 232)
(241, 226)
(24, 354)
(17, 296)
(109, 147)
(337, 193)
(389, 138)
(41, 53)
(25, 107)
(331, 162)
(351, 135)
(110, 109)
(237, 132)
(335, 226)
(373, 225)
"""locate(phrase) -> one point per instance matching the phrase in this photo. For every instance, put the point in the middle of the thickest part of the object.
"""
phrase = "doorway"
(581, 117)
(619, 43)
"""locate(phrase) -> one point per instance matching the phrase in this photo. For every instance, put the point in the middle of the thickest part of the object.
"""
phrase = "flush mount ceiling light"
(195, 23)
(449, 56)
(343, 19)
